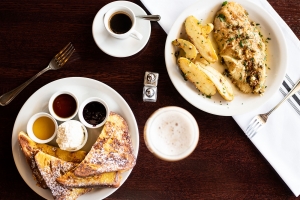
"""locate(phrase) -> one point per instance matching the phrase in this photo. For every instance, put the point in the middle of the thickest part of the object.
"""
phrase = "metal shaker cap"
(151, 79)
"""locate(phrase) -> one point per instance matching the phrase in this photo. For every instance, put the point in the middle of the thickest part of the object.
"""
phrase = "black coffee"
(120, 23)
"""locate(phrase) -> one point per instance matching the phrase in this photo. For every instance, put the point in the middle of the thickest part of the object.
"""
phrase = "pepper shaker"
(150, 86)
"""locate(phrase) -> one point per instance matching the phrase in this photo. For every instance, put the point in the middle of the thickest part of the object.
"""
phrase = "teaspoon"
(149, 17)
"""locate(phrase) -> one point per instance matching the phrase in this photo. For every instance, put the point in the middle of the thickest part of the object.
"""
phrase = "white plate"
(82, 88)
(277, 60)
(117, 47)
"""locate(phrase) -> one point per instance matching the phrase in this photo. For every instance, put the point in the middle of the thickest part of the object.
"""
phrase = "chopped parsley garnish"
(230, 39)
(224, 3)
(241, 44)
(222, 17)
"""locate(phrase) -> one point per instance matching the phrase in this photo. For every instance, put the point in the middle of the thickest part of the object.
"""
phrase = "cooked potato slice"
(180, 53)
(197, 77)
(200, 60)
(198, 35)
(206, 29)
(189, 49)
(223, 86)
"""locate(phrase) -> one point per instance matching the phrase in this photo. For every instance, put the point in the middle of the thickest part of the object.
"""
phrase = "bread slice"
(109, 179)
(112, 150)
(30, 149)
(52, 168)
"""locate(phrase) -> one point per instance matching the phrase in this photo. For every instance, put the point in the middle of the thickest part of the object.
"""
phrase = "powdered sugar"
(112, 151)
(51, 168)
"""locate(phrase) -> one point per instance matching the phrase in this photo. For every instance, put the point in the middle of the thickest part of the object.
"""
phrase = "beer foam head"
(171, 133)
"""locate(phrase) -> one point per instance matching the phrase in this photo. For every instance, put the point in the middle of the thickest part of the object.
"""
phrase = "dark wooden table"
(225, 164)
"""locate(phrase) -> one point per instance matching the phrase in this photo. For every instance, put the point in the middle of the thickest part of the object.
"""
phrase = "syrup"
(64, 105)
(43, 128)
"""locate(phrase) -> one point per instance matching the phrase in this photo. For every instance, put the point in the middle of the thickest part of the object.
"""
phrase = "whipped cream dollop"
(70, 135)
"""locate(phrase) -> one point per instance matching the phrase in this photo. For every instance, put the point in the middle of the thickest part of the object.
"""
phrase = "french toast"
(108, 179)
(30, 148)
(51, 168)
(112, 150)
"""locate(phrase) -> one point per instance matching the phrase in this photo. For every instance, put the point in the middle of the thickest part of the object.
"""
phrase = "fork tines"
(253, 127)
(63, 56)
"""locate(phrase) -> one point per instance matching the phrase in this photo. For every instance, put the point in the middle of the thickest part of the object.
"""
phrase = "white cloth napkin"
(279, 140)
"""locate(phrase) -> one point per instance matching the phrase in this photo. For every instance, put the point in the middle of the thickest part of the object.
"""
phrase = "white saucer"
(116, 47)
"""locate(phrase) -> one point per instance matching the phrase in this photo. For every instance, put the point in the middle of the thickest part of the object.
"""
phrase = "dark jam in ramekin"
(94, 113)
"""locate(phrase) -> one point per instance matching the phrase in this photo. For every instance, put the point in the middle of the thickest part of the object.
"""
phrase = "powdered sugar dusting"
(112, 151)
(51, 168)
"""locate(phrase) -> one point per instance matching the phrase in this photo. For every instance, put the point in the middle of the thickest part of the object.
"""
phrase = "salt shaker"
(150, 87)
(149, 94)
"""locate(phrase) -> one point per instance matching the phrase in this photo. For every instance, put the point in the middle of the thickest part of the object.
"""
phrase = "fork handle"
(9, 96)
(295, 89)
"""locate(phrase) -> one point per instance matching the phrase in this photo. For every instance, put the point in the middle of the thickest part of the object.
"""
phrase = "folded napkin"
(279, 140)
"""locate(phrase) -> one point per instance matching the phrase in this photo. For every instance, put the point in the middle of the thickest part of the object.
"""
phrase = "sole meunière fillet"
(241, 47)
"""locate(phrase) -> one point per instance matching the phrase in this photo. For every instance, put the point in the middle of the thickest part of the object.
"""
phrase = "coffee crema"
(120, 23)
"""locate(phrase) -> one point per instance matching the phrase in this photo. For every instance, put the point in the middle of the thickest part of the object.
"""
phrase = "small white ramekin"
(51, 110)
(87, 101)
(30, 126)
(85, 132)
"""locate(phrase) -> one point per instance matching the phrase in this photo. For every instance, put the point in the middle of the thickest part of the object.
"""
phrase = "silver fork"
(57, 62)
(258, 121)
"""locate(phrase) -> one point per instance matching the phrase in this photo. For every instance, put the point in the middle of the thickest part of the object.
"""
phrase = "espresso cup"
(120, 22)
